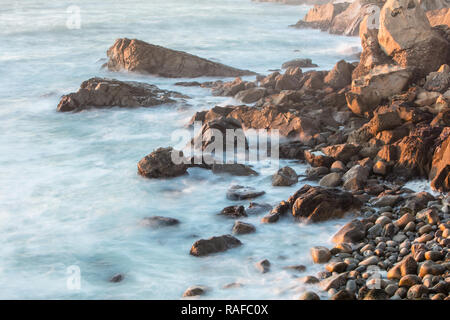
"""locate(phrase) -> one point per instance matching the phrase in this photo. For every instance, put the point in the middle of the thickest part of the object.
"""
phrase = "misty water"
(70, 194)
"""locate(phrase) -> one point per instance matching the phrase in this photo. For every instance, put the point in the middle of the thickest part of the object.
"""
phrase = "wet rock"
(141, 57)
(298, 268)
(336, 266)
(117, 278)
(159, 222)
(204, 247)
(309, 280)
(234, 212)
(380, 167)
(237, 192)
(431, 267)
(258, 208)
(243, 228)
(286, 176)
(159, 164)
(107, 93)
(316, 173)
(299, 63)
(352, 232)
(386, 201)
(318, 160)
(235, 169)
(263, 266)
(320, 204)
(309, 295)
(438, 81)
(320, 254)
(195, 291)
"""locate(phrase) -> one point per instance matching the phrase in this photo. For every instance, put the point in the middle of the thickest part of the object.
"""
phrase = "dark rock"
(159, 164)
(237, 192)
(205, 247)
(159, 222)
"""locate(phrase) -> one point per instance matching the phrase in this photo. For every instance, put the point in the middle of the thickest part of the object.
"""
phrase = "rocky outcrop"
(295, 2)
(348, 21)
(204, 247)
(159, 164)
(141, 57)
(107, 93)
(406, 35)
(321, 16)
(320, 204)
(299, 63)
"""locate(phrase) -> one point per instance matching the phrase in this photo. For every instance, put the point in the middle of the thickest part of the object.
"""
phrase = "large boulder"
(352, 232)
(107, 93)
(159, 164)
(406, 35)
(320, 204)
(141, 57)
(204, 247)
(440, 168)
(321, 16)
(347, 22)
(381, 83)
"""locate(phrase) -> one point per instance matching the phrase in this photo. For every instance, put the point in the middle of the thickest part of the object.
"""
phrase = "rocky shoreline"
(364, 128)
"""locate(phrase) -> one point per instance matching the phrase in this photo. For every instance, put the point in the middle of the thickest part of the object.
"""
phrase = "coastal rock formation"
(204, 247)
(295, 2)
(286, 176)
(107, 93)
(159, 164)
(141, 57)
(406, 35)
(299, 63)
(320, 204)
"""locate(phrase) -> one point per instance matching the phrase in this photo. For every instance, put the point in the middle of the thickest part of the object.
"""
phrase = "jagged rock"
(319, 204)
(212, 245)
(286, 176)
(406, 35)
(234, 212)
(380, 83)
(235, 169)
(240, 227)
(159, 164)
(138, 56)
(347, 22)
(107, 93)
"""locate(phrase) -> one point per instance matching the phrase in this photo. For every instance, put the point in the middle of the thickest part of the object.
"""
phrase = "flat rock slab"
(237, 192)
(142, 57)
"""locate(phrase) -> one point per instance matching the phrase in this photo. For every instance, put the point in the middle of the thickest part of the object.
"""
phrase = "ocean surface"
(70, 195)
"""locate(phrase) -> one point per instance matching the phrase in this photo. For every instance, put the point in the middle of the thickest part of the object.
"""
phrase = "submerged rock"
(195, 291)
(204, 247)
(240, 227)
(159, 222)
(107, 93)
(138, 56)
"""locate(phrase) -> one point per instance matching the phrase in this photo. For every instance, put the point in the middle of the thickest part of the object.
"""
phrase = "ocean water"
(70, 196)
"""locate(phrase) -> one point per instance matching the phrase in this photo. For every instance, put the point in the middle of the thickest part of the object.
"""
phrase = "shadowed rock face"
(106, 93)
(440, 168)
(141, 57)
